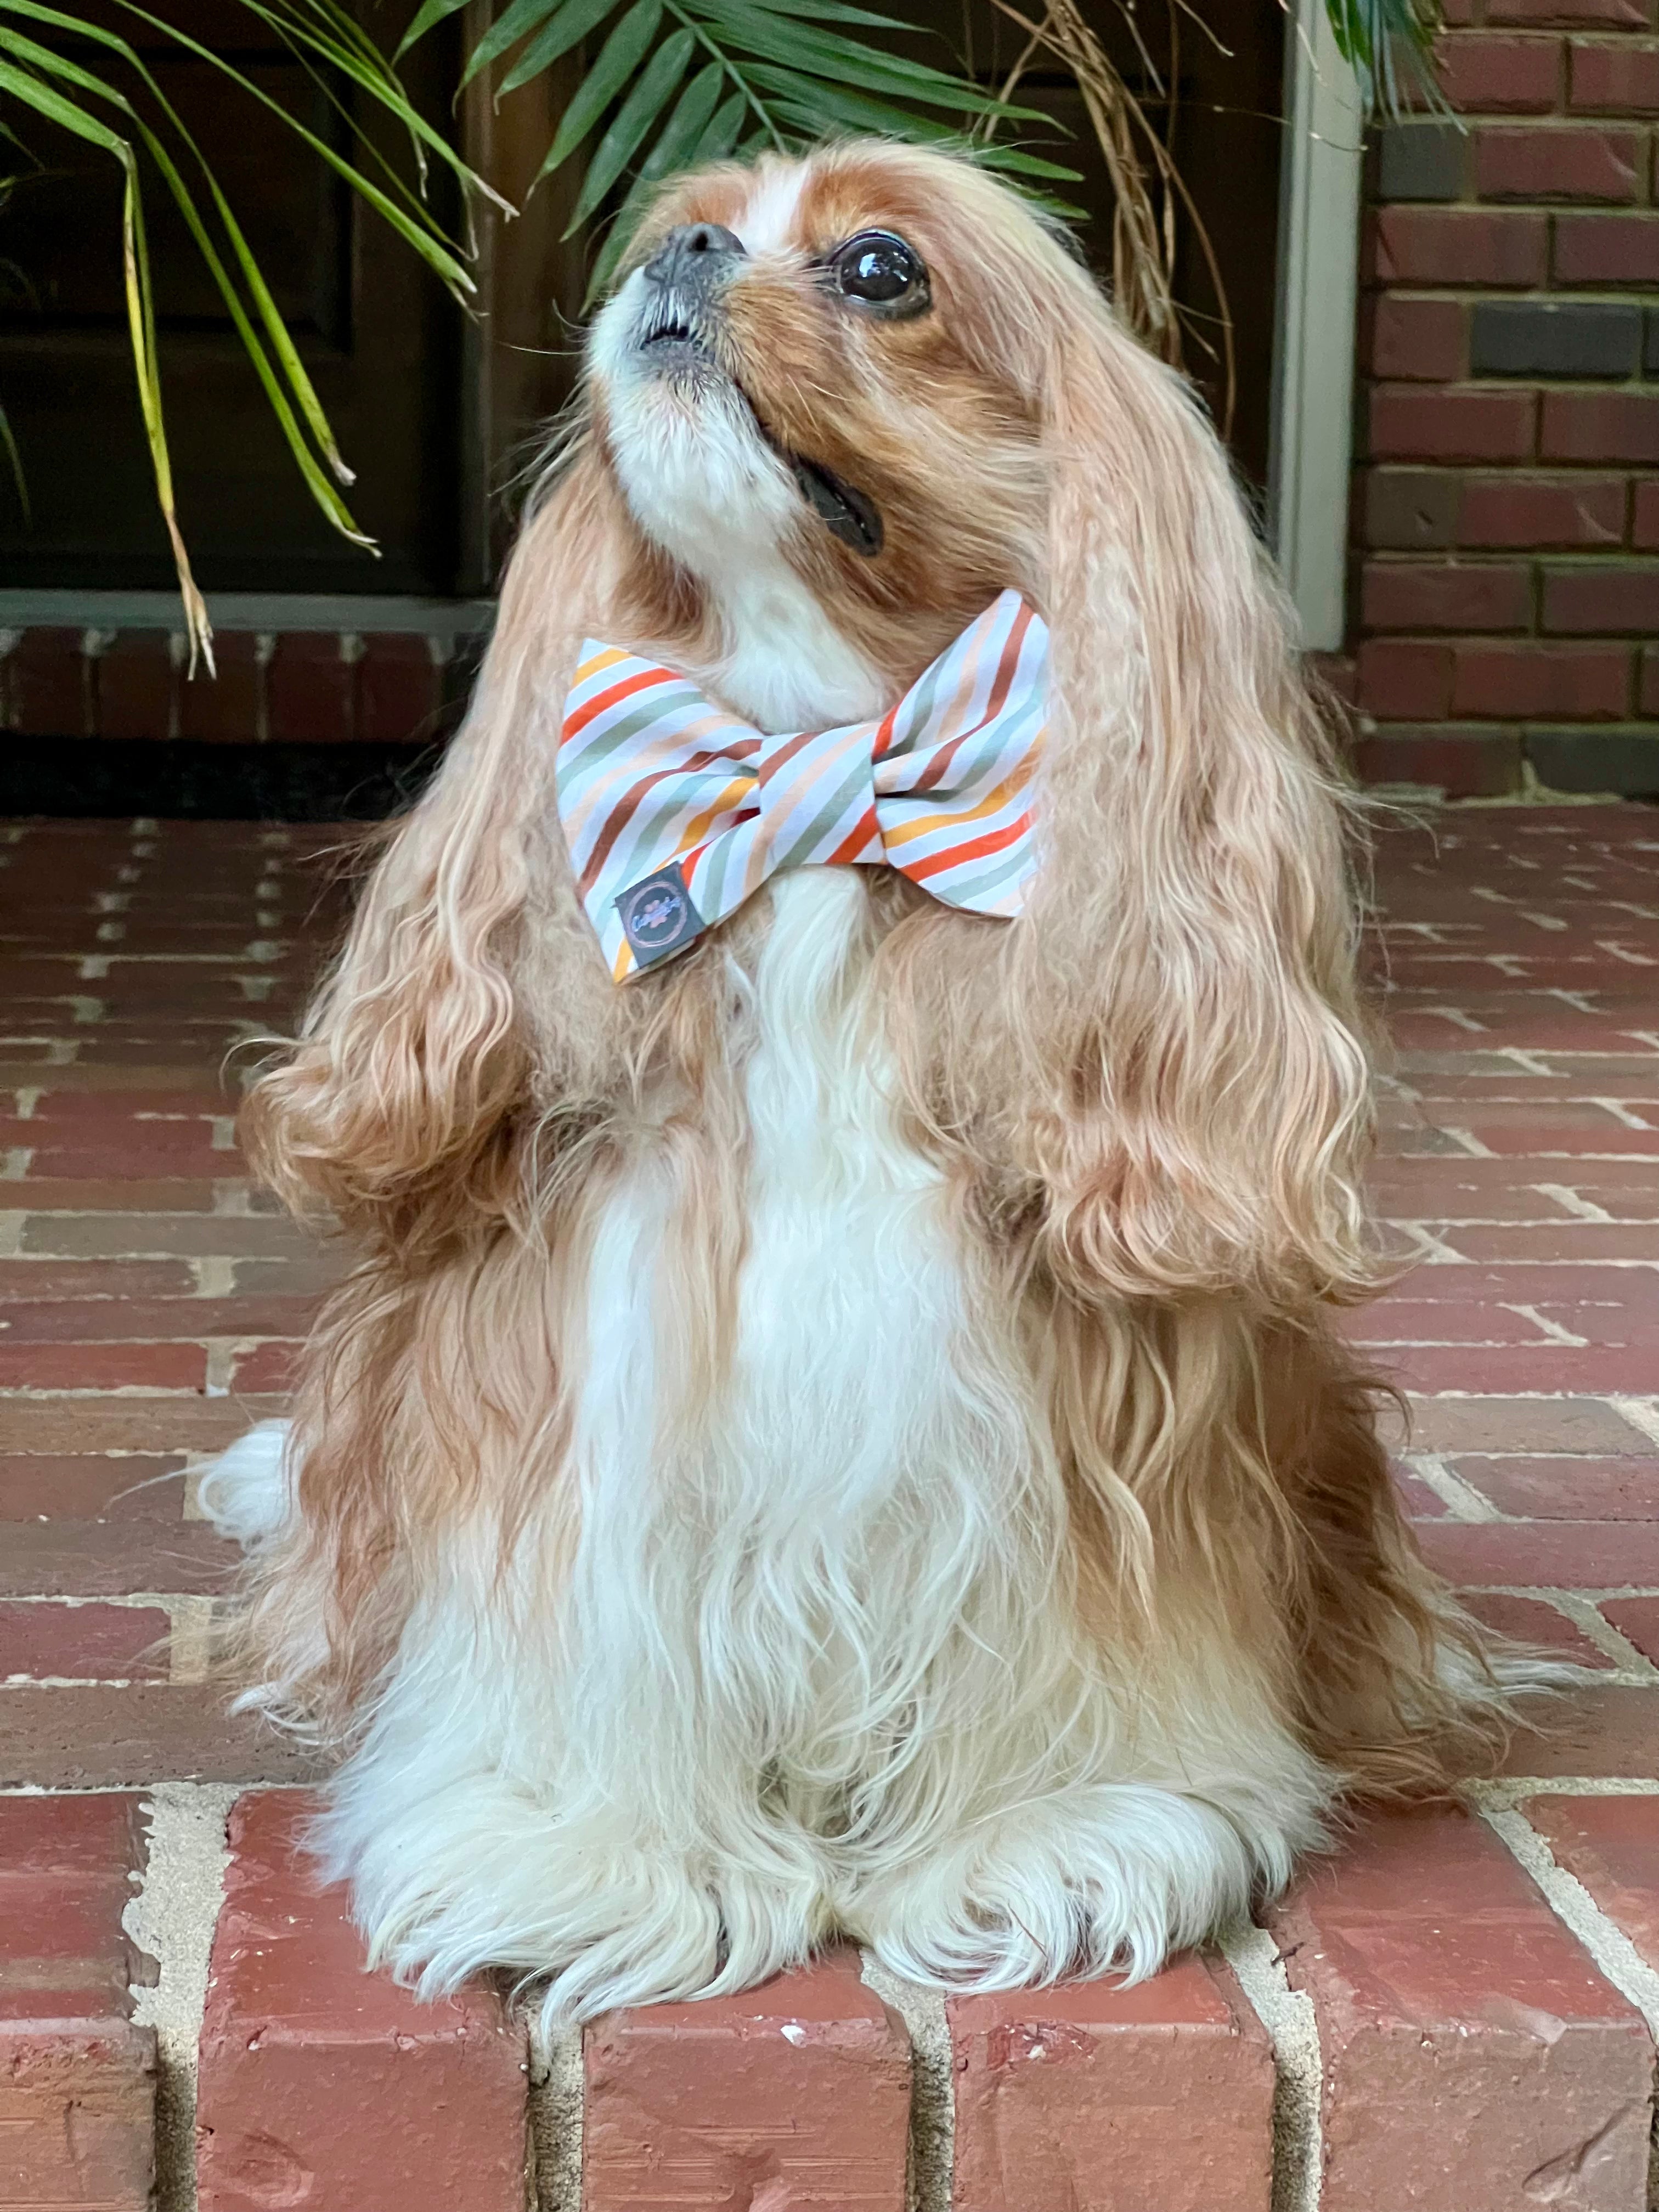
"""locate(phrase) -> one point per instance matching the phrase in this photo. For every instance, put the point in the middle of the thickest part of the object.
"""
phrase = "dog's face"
(831, 361)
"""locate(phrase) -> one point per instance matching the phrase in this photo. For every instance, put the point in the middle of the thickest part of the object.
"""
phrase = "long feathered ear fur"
(1195, 1100)
(418, 1051)
(468, 1019)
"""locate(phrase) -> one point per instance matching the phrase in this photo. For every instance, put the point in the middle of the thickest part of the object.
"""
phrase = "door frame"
(1311, 452)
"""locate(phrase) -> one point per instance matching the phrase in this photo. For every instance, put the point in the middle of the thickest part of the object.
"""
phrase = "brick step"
(77, 2076)
(1422, 2023)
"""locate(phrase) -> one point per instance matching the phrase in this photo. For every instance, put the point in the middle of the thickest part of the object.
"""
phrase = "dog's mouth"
(674, 335)
(845, 511)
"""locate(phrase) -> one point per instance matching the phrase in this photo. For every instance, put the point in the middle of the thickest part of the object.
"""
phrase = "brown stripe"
(626, 808)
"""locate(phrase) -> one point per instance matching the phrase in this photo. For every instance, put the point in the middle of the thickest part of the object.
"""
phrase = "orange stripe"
(864, 831)
(576, 723)
(884, 734)
(995, 841)
(629, 806)
(1011, 785)
(940, 761)
(778, 800)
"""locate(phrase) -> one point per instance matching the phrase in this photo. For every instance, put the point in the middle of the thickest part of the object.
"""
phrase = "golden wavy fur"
(1146, 1101)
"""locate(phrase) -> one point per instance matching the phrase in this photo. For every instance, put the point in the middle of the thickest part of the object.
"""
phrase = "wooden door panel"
(1228, 95)
(64, 231)
(379, 338)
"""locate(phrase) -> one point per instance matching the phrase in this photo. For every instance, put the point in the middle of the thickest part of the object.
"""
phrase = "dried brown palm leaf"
(1147, 187)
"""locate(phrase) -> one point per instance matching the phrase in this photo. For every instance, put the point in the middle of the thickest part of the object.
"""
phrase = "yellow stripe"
(730, 798)
(624, 967)
(925, 828)
(608, 659)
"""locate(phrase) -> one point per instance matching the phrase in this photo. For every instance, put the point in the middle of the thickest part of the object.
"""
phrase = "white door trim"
(1311, 447)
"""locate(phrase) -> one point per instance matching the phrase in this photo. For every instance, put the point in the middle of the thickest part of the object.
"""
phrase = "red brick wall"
(300, 686)
(1506, 599)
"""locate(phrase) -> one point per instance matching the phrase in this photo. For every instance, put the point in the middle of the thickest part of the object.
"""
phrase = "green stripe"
(987, 875)
(921, 702)
(652, 708)
(831, 813)
(718, 902)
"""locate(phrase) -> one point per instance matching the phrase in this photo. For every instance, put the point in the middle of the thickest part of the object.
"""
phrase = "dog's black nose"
(694, 256)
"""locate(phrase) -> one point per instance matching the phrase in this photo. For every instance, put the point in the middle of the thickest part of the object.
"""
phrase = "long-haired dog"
(845, 1429)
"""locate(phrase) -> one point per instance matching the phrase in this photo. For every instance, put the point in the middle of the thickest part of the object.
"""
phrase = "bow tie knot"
(675, 812)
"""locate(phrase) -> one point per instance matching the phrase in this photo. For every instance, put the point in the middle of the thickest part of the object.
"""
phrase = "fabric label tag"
(657, 916)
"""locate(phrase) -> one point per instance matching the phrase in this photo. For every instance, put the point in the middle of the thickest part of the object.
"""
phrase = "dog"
(838, 1424)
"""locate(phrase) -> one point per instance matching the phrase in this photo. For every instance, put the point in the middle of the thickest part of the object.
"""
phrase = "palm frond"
(674, 82)
(98, 105)
(1390, 45)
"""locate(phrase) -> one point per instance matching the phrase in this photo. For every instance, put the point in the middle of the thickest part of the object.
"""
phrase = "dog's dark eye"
(880, 270)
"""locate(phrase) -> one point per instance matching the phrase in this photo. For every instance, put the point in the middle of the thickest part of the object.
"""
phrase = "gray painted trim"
(1314, 350)
(267, 611)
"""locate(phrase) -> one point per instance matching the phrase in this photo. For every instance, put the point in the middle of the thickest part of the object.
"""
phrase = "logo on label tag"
(657, 916)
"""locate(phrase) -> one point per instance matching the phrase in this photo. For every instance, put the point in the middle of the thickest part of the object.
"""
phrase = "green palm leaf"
(1389, 45)
(515, 22)
(676, 82)
(652, 89)
(701, 128)
(619, 57)
(574, 21)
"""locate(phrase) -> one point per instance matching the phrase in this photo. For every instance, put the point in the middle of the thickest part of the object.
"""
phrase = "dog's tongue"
(854, 519)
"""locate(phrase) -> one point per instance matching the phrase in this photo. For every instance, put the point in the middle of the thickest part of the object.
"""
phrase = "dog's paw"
(1100, 1879)
(450, 1879)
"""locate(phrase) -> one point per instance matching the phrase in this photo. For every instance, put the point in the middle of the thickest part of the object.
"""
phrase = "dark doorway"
(379, 336)
(1219, 64)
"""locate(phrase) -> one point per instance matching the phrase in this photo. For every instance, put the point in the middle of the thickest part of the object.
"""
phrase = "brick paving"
(149, 1298)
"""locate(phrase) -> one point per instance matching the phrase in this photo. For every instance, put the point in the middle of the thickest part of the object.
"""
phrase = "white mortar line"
(555, 2115)
(148, 1789)
(1642, 1413)
(1606, 1942)
(1596, 1595)
(1617, 1108)
(187, 1644)
(1470, 1144)
(1567, 1198)
(1554, 1330)
(74, 1600)
(1464, 1502)
(1436, 1252)
(932, 2155)
(173, 1918)
(1514, 1786)
(189, 1648)
(1630, 1665)
(221, 1352)
(1289, 2018)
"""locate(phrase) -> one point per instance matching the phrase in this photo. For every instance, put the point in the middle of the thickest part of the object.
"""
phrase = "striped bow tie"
(676, 812)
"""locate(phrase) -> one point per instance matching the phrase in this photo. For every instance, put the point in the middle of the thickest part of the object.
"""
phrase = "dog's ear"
(415, 1057)
(1197, 1095)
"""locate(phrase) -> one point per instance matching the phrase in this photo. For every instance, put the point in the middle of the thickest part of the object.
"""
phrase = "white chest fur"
(802, 1555)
